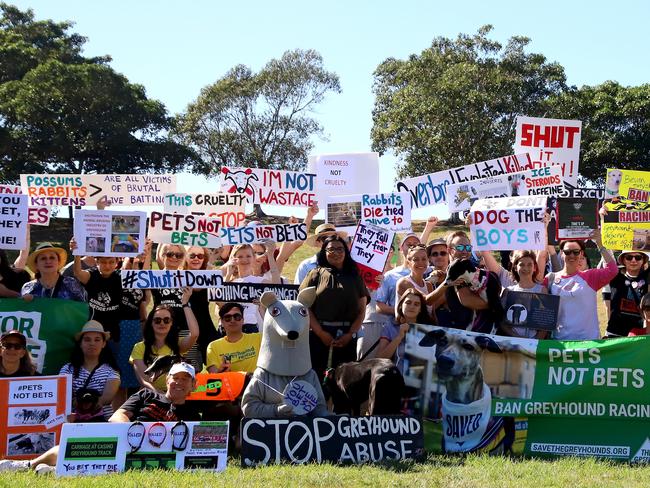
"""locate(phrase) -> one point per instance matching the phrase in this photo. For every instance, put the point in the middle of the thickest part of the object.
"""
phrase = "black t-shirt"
(130, 306)
(625, 295)
(201, 308)
(151, 406)
(460, 316)
(104, 299)
(173, 298)
(14, 279)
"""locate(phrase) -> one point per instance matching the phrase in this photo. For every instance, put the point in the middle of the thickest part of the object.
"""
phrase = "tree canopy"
(261, 119)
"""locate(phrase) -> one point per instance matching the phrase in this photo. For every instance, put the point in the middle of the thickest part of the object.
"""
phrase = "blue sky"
(176, 48)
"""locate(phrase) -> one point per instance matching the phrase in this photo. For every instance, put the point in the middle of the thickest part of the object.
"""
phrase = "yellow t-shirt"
(243, 353)
(138, 353)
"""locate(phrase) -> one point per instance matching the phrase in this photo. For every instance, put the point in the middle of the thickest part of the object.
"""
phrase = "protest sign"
(109, 233)
(185, 230)
(428, 190)
(576, 218)
(36, 215)
(88, 189)
(343, 439)
(219, 387)
(34, 409)
(343, 211)
(345, 174)
(249, 292)
(270, 187)
(531, 310)
(229, 208)
(370, 249)
(13, 221)
(390, 211)
(49, 324)
(158, 279)
(550, 142)
(502, 224)
(254, 233)
(101, 448)
(627, 223)
(543, 181)
(594, 195)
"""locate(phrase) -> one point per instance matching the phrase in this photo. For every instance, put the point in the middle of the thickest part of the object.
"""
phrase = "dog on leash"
(467, 402)
(377, 381)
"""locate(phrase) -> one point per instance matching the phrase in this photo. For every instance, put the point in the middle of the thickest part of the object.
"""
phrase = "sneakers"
(11, 465)
(44, 469)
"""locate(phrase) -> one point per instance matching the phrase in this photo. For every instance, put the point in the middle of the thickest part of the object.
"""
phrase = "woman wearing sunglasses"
(578, 314)
(15, 359)
(161, 338)
(625, 293)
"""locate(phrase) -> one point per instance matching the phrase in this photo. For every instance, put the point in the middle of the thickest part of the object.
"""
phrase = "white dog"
(614, 177)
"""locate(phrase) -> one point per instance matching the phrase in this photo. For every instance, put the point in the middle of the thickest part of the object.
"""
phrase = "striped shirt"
(98, 382)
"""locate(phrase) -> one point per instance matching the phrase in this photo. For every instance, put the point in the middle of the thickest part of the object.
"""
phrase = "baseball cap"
(182, 368)
(14, 333)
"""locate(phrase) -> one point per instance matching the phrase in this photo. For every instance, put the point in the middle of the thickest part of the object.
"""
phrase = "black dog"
(377, 381)
(162, 365)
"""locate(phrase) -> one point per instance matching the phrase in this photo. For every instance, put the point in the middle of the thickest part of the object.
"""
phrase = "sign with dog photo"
(577, 218)
(527, 310)
(109, 233)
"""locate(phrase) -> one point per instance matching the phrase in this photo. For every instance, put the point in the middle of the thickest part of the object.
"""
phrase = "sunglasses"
(177, 255)
(332, 250)
(162, 320)
(12, 345)
(635, 257)
(569, 252)
(260, 253)
(195, 256)
(231, 317)
(435, 254)
(463, 247)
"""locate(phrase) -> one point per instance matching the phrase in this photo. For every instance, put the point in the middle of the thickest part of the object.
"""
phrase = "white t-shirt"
(251, 310)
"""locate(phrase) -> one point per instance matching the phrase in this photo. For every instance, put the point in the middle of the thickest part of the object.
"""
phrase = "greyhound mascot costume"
(284, 383)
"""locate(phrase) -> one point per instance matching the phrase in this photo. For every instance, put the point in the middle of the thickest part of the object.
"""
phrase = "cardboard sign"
(101, 448)
(596, 195)
(576, 218)
(503, 224)
(301, 396)
(429, 190)
(543, 181)
(252, 234)
(229, 208)
(13, 221)
(219, 387)
(185, 230)
(370, 249)
(249, 292)
(627, 223)
(37, 215)
(87, 189)
(387, 210)
(109, 233)
(158, 279)
(270, 187)
(551, 142)
(343, 439)
(531, 310)
(29, 423)
(346, 174)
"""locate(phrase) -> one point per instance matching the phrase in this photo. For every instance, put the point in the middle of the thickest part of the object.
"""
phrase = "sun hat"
(92, 326)
(324, 230)
(182, 368)
(44, 247)
(623, 253)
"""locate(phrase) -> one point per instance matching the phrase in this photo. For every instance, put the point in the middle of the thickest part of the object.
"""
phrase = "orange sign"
(219, 387)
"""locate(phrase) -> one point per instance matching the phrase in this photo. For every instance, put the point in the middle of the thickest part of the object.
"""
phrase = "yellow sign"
(627, 223)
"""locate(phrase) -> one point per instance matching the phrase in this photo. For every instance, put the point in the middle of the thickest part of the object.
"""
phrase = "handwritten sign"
(504, 224)
(301, 396)
(627, 223)
(270, 187)
(551, 142)
(250, 292)
(36, 215)
(369, 250)
(251, 234)
(13, 221)
(229, 208)
(390, 211)
(88, 189)
(109, 233)
(542, 181)
(346, 174)
(429, 190)
(185, 230)
(180, 278)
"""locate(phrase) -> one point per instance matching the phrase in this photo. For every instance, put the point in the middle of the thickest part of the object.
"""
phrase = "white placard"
(33, 392)
(229, 208)
(13, 221)
(346, 174)
(301, 396)
(109, 233)
(37, 215)
(146, 279)
(269, 187)
(185, 230)
(252, 233)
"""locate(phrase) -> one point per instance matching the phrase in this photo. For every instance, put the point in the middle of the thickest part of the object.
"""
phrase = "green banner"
(49, 325)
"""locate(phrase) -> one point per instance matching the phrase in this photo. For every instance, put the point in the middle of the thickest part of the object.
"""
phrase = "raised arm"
(187, 342)
(82, 275)
(428, 227)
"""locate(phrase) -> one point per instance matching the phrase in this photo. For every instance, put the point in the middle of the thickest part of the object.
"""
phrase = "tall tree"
(63, 112)
(261, 119)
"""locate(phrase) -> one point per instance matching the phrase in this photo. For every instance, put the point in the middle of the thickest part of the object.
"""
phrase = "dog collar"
(157, 434)
(180, 435)
(135, 435)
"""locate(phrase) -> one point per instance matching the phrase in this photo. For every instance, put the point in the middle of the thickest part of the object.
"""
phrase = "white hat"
(182, 368)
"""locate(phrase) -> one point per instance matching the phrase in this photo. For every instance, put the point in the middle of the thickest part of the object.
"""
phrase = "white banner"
(345, 174)
(36, 215)
(109, 233)
(158, 279)
(269, 187)
(185, 230)
(13, 221)
(229, 208)
(252, 234)
(390, 211)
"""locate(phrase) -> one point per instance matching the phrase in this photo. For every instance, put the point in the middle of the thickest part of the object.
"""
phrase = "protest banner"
(531, 310)
(158, 279)
(229, 208)
(49, 324)
(101, 448)
(249, 292)
(503, 224)
(594, 195)
(254, 233)
(270, 187)
(577, 218)
(219, 387)
(370, 249)
(185, 230)
(343, 439)
(390, 211)
(627, 223)
(88, 189)
(109, 233)
(34, 410)
(550, 142)
(542, 398)
(345, 174)
(429, 190)
(543, 181)
(13, 221)
(36, 215)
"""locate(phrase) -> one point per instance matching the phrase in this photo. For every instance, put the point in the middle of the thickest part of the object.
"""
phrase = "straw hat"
(43, 247)
(322, 231)
(92, 326)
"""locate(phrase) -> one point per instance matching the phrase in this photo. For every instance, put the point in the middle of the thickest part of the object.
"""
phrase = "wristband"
(186, 305)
